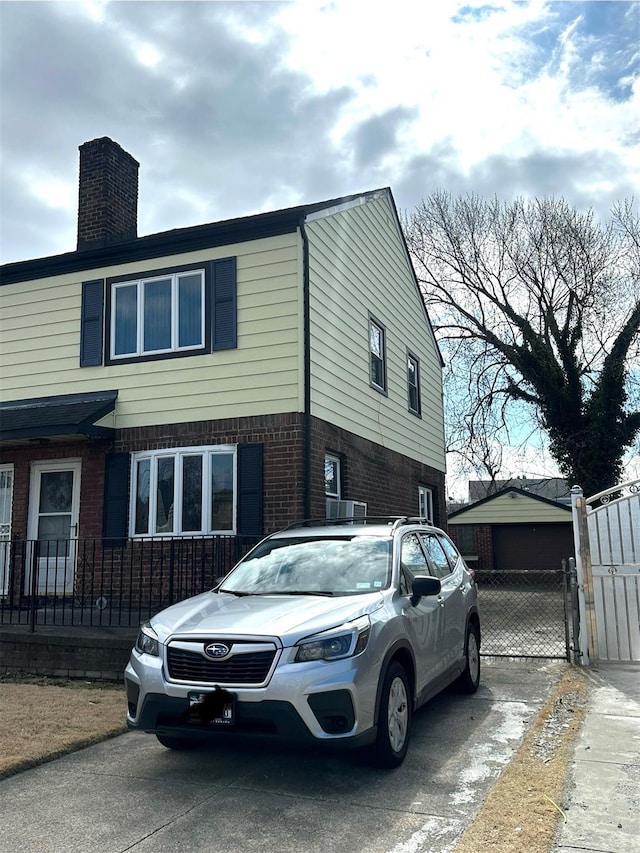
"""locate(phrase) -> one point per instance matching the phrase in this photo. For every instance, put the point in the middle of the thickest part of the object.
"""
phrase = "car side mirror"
(423, 585)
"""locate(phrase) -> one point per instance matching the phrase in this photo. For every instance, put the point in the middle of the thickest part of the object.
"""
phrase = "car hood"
(289, 617)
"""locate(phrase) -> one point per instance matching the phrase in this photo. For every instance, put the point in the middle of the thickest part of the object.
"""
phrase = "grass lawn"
(43, 718)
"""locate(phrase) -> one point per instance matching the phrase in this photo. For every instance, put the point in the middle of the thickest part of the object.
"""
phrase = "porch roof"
(68, 414)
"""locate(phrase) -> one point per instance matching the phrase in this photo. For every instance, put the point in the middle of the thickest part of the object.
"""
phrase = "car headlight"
(147, 642)
(343, 642)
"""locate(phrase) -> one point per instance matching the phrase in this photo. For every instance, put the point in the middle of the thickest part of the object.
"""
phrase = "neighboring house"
(513, 529)
(218, 380)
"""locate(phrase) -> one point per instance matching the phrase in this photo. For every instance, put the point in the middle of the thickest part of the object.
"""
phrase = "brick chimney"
(108, 194)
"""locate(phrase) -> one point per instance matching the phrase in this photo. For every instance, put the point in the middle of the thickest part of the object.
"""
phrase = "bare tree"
(540, 306)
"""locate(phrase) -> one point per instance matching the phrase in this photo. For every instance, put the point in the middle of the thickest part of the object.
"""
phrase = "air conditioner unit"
(346, 509)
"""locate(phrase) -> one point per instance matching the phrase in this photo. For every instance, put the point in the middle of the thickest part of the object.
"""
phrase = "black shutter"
(224, 324)
(91, 323)
(250, 490)
(116, 499)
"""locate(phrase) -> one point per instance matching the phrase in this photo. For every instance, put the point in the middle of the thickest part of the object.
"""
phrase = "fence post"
(172, 559)
(588, 631)
(575, 608)
(33, 586)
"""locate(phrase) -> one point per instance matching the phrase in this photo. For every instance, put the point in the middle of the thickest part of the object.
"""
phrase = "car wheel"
(394, 719)
(470, 678)
(172, 742)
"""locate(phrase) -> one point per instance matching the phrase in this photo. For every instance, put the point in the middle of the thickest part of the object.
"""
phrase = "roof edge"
(173, 241)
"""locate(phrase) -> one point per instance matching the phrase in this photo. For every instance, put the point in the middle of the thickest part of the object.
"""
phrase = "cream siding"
(358, 265)
(512, 508)
(264, 375)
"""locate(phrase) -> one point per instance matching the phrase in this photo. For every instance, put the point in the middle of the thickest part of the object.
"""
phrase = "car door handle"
(441, 601)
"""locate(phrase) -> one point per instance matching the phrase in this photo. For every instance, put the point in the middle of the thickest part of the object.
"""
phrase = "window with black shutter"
(91, 323)
(224, 304)
(250, 490)
(116, 499)
(172, 313)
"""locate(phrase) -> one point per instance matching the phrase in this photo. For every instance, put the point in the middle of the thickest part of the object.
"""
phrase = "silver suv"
(327, 632)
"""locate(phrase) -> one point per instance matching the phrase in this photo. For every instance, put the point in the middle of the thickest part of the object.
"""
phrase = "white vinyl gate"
(607, 540)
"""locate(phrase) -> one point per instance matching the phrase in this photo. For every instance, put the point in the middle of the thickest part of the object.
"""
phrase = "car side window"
(412, 562)
(450, 551)
(437, 557)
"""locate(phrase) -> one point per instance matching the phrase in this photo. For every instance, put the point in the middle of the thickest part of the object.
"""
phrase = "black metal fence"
(96, 582)
(526, 613)
(92, 582)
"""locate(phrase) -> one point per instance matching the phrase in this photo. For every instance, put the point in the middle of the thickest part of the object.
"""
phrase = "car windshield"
(324, 566)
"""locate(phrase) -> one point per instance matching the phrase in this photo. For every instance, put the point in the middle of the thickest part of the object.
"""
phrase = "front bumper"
(163, 714)
(310, 702)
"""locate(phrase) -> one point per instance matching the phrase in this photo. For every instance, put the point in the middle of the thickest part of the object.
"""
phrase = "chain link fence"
(525, 613)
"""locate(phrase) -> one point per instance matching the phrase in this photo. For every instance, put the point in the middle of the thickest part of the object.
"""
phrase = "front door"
(53, 525)
(6, 500)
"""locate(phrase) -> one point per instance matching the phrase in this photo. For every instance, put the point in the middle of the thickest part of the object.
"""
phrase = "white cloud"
(237, 107)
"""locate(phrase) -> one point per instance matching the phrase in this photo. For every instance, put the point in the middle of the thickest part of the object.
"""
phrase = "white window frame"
(7, 475)
(139, 284)
(425, 503)
(179, 453)
(416, 361)
(383, 356)
(332, 459)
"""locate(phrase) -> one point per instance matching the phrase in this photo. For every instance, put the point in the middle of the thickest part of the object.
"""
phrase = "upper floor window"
(413, 383)
(183, 491)
(332, 476)
(378, 355)
(169, 313)
(425, 503)
(158, 315)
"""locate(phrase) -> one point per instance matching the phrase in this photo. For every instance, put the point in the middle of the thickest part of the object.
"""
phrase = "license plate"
(214, 709)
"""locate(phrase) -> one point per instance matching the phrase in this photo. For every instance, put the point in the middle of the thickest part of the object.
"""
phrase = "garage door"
(531, 546)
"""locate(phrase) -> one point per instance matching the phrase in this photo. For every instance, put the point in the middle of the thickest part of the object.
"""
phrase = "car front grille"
(250, 668)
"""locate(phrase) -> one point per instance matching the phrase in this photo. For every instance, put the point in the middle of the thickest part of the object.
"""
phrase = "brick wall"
(387, 481)
(69, 654)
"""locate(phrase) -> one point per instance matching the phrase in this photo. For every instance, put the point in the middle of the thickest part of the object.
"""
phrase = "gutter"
(306, 412)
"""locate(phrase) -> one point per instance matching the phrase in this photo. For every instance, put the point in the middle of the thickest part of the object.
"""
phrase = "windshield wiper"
(238, 593)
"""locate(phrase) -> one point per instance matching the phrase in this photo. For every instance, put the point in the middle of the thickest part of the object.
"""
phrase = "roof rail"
(394, 520)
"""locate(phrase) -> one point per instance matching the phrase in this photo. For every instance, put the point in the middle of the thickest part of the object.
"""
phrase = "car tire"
(394, 719)
(469, 680)
(173, 742)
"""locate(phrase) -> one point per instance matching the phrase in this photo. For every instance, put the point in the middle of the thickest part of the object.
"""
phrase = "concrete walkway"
(254, 796)
(602, 802)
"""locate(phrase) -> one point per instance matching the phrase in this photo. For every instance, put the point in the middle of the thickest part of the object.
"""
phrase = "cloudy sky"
(233, 108)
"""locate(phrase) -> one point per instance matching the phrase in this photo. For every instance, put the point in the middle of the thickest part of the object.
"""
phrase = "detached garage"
(513, 530)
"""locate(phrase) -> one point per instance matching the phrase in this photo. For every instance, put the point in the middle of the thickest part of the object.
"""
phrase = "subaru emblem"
(216, 650)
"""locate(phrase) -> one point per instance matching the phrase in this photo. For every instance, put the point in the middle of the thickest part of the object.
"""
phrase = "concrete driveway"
(131, 794)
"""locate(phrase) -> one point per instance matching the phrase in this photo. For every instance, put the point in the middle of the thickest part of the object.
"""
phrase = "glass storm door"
(6, 499)
(53, 525)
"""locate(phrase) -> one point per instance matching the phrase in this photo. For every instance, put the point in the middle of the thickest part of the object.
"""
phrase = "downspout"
(306, 412)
